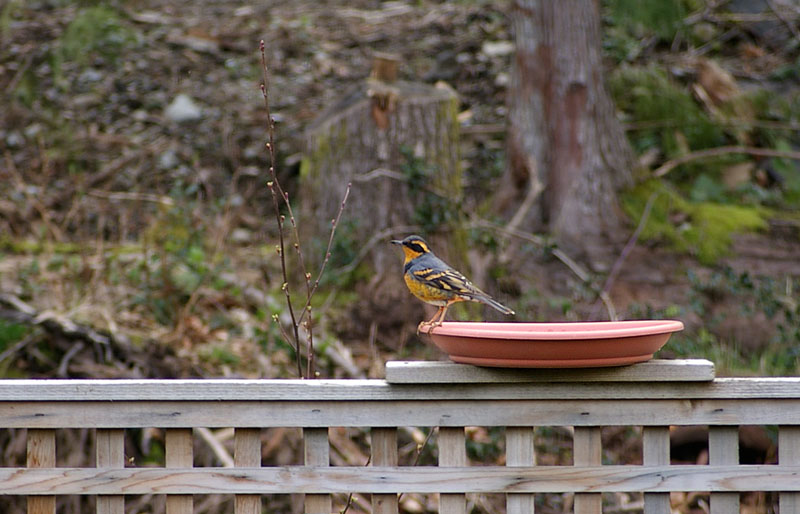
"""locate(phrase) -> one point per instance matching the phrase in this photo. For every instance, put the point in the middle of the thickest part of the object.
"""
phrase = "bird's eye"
(418, 247)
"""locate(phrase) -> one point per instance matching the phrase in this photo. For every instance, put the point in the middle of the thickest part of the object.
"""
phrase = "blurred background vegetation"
(133, 198)
(134, 194)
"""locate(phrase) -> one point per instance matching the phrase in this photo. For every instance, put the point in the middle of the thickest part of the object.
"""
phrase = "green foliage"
(177, 259)
(11, 333)
(95, 31)
(220, 355)
(647, 94)
(776, 300)
(631, 21)
(703, 228)
(432, 210)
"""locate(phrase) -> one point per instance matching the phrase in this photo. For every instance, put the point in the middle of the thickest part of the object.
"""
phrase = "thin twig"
(420, 447)
(216, 446)
(568, 261)
(534, 190)
(334, 224)
(617, 267)
(275, 188)
(375, 239)
(722, 150)
(350, 496)
(304, 317)
(132, 195)
(311, 290)
(786, 21)
(734, 122)
(8, 352)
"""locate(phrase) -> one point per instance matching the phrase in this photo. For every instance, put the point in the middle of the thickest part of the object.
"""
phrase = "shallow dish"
(552, 345)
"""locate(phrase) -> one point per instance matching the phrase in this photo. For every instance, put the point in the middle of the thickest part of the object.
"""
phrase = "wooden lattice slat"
(655, 452)
(520, 452)
(179, 454)
(789, 454)
(403, 479)
(41, 454)
(317, 453)
(587, 450)
(384, 453)
(247, 454)
(452, 452)
(110, 453)
(723, 448)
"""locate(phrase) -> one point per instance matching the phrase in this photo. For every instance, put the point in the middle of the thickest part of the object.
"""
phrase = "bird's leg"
(443, 311)
(430, 322)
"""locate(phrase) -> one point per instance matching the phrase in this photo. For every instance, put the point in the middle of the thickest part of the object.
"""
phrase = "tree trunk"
(563, 136)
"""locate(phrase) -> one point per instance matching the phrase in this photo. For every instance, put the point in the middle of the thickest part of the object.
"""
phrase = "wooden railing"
(653, 395)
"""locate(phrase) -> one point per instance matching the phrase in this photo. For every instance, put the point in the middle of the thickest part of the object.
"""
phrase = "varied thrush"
(433, 281)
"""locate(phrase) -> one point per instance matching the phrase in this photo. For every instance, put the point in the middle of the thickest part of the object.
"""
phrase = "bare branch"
(275, 189)
(722, 150)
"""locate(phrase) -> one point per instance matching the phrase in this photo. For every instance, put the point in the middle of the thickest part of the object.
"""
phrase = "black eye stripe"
(417, 247)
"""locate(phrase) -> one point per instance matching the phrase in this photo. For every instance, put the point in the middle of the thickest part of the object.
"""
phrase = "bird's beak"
(396, 242)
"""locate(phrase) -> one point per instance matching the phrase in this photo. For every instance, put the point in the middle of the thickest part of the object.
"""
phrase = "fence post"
(452, 453)
(587, 449)
(520, 452)
(247, 454)
(723, 449)
(179, 454)
(41, 454)
(110, 453)
(384, 453)
(655, 452)
(789, 454)
(317, 454)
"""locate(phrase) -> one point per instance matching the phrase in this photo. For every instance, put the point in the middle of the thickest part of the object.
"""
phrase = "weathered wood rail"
(652, 395)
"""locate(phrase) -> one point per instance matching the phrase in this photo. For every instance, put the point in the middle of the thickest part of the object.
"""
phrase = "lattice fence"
(653, 395)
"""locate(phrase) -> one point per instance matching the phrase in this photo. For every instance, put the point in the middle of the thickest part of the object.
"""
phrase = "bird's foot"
(431, 324)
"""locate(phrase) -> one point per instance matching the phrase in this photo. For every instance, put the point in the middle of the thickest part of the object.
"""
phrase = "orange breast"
(429, 294)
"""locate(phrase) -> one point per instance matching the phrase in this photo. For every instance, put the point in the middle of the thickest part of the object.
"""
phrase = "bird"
(435, 282)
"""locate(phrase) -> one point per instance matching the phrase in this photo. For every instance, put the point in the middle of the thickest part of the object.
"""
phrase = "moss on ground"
(703, 229)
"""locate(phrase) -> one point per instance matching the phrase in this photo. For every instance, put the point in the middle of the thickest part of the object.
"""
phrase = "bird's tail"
(491, 302)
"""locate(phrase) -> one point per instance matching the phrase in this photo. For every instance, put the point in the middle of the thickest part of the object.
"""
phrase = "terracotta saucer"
(552, 345)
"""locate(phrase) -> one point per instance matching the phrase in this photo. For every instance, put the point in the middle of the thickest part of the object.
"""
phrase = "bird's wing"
(436, 273)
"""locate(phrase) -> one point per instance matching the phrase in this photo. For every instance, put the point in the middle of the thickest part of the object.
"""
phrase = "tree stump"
(366, 139)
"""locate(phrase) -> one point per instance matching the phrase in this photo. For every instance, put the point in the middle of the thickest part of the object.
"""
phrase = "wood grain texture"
(110, 453)
(655, 452)
(247, 454)
(384, 453)
(316, 448)
(379, 390)
(520, 452)
(587, 450)
(41, 453)
(723, 449)
(384, 480)
(443, 372)
(452, 452)
(172, 414)
(179, 453)
(789, 454)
